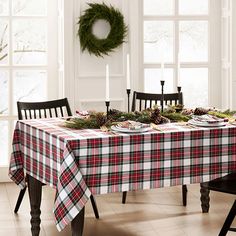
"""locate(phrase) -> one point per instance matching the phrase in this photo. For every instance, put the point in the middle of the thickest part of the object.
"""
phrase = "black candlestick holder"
(179, 94)
(128, 95)
(107, 105)
(162, 95)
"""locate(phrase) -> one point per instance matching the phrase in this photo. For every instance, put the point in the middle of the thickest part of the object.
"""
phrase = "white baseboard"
(4, 174)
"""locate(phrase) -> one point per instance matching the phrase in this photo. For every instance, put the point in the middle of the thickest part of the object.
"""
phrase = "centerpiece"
(95, 120)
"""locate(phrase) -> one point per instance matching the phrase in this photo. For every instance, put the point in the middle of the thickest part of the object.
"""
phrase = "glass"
(194, 83)
(158, 7)
(4, 7)
(193, 7)
(4, 92)
(3, 143)
(29, 8)
(29, 42)
(4, 40)
(158, 41)
(194, 41)
(30, 86)
(152, 78)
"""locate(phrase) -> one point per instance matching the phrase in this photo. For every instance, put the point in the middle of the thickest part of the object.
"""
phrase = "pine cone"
(200, 111)
(114, 112)
(101, 119)
(164, 120)
(187, 112)
(156, 116)
(157, 120)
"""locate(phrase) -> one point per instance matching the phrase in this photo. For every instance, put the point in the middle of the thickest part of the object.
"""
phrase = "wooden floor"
(147, 213)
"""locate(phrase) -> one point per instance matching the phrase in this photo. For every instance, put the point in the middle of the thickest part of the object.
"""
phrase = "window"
(24, 60)
(176, 33)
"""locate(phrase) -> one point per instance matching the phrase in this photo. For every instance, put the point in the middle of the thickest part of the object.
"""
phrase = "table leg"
(205, 199)
(77, 224)
(35, 193)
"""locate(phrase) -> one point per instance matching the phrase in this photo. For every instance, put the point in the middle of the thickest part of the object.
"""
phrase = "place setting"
(208, 121)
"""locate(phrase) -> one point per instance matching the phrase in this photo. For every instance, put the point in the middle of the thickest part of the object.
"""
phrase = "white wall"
(89, 77)
(234, 56)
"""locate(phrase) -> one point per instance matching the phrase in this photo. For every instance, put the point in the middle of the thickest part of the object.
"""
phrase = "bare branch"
(2, 111)
(2, 57)
(26, 95)
(3, 34)
(29, 50)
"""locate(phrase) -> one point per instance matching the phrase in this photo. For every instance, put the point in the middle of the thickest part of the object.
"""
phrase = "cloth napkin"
(208, 119)
(132, 125)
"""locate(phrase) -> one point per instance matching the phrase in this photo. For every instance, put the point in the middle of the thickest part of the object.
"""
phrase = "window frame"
(50, 66)
(214, 48)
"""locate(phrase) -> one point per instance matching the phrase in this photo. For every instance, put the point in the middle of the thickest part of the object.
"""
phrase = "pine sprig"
(98, 119)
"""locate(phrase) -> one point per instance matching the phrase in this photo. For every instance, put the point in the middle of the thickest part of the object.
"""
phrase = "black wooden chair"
(48, 109)
(147, 100)
(226, 184)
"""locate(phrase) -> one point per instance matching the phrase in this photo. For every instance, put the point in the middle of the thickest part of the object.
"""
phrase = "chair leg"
(205, 198)
(229, 220)
(94, 205)
(124, 194)
(184, 194)
(19, 199)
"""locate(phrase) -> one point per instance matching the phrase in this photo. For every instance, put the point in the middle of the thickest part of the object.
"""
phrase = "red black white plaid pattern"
(80, 162)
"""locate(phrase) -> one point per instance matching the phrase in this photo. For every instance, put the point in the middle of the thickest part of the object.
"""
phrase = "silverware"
(155, 127)
(108, 131)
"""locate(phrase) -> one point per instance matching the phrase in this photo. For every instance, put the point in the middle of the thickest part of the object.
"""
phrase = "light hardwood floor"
(146, 213)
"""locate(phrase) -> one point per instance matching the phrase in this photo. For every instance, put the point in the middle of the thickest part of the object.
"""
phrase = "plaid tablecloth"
(80, 162)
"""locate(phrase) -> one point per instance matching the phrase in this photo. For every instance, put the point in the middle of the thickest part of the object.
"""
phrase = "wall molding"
(227, 47)
(114, 76)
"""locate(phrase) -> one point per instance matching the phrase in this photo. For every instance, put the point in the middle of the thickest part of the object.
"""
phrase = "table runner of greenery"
(95, 120)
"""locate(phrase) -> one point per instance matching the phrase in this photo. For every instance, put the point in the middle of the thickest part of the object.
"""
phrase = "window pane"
(3, 143)
(152, 80)
(3, 92)
(158, 7)
(193, 7)
(4, 7)
(29, 7)
(29, 42)
(194, 84)
(194, 41)
(158, 41)
(29, 86)
(3, 42)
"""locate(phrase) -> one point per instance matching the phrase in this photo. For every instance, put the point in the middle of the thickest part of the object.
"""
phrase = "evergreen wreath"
(115, 38)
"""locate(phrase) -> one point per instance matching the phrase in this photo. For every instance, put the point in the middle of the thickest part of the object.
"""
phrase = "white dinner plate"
(125, 130)
(205, 124)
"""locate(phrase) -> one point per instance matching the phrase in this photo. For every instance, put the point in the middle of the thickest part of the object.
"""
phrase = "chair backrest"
(148, 100)
(35, 110)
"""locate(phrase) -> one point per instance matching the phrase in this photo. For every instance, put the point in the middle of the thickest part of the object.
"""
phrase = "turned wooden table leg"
(35, 193)
(205, 199)
(77, 224)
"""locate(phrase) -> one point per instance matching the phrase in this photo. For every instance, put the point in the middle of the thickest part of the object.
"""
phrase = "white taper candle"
(128, 72)
(178, 65)
(107, 84)
(162, 70)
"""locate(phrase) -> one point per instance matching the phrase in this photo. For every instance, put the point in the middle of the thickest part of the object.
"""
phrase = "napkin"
(208, 119)
(130, 124)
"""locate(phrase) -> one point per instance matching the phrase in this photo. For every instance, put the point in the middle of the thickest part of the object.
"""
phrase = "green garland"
(116, 36)
(95, 120)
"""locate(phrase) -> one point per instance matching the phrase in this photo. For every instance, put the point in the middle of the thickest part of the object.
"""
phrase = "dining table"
(81, 162)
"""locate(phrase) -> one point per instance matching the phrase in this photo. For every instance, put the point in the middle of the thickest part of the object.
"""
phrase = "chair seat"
(226, 184)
